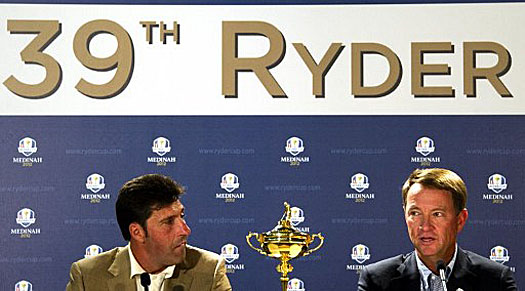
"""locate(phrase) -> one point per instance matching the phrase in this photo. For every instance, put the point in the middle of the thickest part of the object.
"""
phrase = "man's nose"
(425, 224)
(185, 228)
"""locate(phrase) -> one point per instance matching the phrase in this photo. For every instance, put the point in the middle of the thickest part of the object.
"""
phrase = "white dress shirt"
(425, 272)
(157, 280)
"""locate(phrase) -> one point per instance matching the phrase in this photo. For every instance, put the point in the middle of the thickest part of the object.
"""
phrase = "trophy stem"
(284, 268)
(284, 283)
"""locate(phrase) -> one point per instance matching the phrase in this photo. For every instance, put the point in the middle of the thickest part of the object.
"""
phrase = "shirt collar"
(136, 269)
(425, 272)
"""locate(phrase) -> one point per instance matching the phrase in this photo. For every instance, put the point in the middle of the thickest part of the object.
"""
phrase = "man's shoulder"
(200, 256)
(389, 265)
(102, 260)
(380, 275)
(482, 265)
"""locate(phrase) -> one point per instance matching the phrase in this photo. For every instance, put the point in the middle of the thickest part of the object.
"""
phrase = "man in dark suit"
(151, 217)
(434, 202)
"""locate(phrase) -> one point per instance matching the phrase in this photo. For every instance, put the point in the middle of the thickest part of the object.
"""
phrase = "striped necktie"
(435, 283)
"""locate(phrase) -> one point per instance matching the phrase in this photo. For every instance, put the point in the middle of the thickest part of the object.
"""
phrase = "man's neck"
(144, 261)
(431, 262)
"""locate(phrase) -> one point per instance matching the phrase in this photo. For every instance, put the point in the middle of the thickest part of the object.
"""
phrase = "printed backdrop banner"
(327, 107)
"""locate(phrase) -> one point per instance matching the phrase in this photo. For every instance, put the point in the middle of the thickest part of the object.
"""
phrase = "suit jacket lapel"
(408, 279)
(121, 270)
(181, 281)
(461, 276)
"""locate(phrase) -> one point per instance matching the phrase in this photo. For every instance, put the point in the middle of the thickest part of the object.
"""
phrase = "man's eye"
(438, 214)
(414, 213)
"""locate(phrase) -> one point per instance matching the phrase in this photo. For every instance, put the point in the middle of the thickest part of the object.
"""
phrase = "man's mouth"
(182, 243)
(427, 240)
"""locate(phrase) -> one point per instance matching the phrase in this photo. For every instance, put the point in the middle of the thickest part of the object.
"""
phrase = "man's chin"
(180, 256)
(427, 251)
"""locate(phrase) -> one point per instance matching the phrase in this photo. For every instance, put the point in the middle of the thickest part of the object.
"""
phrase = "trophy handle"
(321, 238)
(248, 237)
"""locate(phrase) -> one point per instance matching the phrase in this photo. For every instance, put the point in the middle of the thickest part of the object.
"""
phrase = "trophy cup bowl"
(284, 243)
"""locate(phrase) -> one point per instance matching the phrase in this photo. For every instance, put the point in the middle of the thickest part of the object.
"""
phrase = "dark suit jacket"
(110, 271)
(471, 272)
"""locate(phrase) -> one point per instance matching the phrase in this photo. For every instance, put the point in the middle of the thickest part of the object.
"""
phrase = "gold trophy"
(285, 242)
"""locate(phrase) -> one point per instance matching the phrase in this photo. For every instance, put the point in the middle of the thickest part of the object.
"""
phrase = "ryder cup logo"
(360, 253)
(230, 182)
(95, 183)
(295, 285)
(92, 250)
(25, 217)
(23, 286)
(161, 146)
(294, 146)
(425, 146)
(296, 216)
(230, 253)
(499, 254)
(359, 182)
(27, 146)
(497, 183)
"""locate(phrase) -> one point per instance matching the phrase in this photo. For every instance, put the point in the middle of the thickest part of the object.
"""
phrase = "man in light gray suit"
(157, 258)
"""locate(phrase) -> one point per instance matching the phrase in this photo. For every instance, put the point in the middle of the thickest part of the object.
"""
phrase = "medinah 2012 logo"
(297, 217)
(92, 251)
(25, 217)
(230, 253)
(497, 183)
(499, 254)
(161, 146)
(425, 146)
(230, 183)
(359, 182)
(295, 147)
(360, 254)
(295, 285)
(27, 147)
(95, 183)
(23, 286)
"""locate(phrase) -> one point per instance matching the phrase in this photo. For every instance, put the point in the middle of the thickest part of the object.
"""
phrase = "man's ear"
(137, 232)
(462, 219)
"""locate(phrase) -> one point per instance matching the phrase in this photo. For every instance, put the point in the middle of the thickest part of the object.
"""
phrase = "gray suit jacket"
(471, 272)
(110, 271)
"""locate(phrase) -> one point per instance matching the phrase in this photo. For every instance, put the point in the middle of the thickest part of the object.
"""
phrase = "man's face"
(168, 232)
(432, 223)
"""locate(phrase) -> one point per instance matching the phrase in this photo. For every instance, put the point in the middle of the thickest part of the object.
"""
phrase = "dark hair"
(140, 196)
(441, 179)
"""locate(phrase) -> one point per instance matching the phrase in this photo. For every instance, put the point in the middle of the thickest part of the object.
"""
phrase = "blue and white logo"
(359, 182)
(499, 254)
(497, 183)
(23, 286)
(230, 253)
(360, 253)
(27, 146)
(295, 285)
(95, 182)
(294, 146)
(296, 216)
(161, 146)
(425, 146)
(230, 182)
(25, 217)
(93, 250)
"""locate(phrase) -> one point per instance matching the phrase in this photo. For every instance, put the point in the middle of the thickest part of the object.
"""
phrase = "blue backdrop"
(69, 217)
